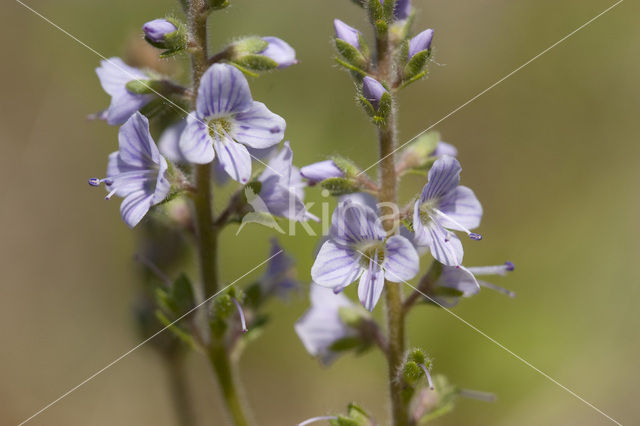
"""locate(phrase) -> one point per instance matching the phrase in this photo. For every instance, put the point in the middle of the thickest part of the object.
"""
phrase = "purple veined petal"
(458, 278)
(371, 285)
(195, 142)
(280, 51)
(163, 186)
(135, 206)
(280, 165)
(234, 158)
(462, 206)
(258, 127)
(353, 222)
(317, 172)
(282, 200)
(346, 33)
(444, 148)
(223, 90)
(136, 147)
(124, 105)
(169, 142)
(362, 198)
(421, 236)
(219, 175)
(444, 177)
(444, 245)
(401, 261)
(124, 178)
(335, 267)
(420, 42)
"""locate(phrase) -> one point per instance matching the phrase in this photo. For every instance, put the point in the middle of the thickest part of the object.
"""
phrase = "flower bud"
(402, 10)
(157, 29)
(346, 33)
(373, 91)
(279, 51)
(420, 43)
(317, 172)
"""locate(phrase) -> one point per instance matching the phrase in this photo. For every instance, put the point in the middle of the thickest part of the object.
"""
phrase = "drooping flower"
(358, 247)
(321, 325)
(114, 75)
(136, 172)
(279, 278)
(346, 33)
(317, 172)
(465, 281)
(226, 119)
(157, 29)
(372, 90)
(444, 205)
(280, 51)
(420, 43)
(282, 188)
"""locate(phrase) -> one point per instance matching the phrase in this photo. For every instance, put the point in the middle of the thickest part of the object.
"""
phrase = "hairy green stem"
(206, 232)
(393, 291)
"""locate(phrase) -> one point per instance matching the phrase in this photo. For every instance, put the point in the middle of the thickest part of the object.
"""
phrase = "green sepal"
(340, 186)
(358, 414)
(417, 155)
(416, 64)
(153, 108)
(347, 166)
(174, 42)
(345, 344)
(387, 8)
(366, 105)
(414, 78)
(256, 62)
(376, 11)
(352, 316)
(381, 27)
(352, 55)
(344, 421)
(384, 106)
(218, 4)
(249, 45)
(244, 70)
(182, 293)
(140, 87)
(411, 372)
(175, 329)
(416, 355)
(253, 295)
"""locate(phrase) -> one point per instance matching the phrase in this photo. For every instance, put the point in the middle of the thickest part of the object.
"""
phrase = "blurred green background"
(552, 153)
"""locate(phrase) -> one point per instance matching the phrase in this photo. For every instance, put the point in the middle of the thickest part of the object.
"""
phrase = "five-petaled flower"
(358, 247)
(321, 325)
(136, 172)
(226, 119)
(114, 75)
(444, 205)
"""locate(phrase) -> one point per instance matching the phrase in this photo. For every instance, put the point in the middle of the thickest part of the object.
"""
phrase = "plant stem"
(206, 233)
(179, 389)
(393, 291)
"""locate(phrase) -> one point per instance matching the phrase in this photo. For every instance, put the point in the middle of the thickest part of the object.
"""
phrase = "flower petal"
(135, 206)
(401, 261)
(258, 127)
(114, 75)
(353, 222)
(371, 285)
(462, 206)
(234, 158)
(169, 142)
(163, 186)
(223, 90)
(195, 142)
(280, 51)
(136, 147)
(459, 278)
(335, 267)
(445, 246)
(444, 177)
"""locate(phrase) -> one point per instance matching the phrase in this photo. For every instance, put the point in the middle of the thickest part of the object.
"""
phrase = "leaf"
(350, 53)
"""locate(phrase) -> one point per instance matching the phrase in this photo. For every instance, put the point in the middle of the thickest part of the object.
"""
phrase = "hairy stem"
(393, 291)
(206, 233)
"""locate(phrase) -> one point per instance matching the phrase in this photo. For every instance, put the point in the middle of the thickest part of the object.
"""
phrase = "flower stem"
(206, 232)
(180, 390)
(393, 291)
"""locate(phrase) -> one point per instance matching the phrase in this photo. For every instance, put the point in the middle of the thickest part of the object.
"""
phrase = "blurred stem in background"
(206, 233)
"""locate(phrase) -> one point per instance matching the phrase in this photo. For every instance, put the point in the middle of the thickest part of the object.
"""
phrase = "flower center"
(219, 126)
(371, 251)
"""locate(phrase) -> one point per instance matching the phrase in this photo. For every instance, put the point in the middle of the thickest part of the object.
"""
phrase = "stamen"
(109, 195)
(316, 419)
(243, 322)
(480, 396)
(492, 270)
(98, 181)
(426, 373)
(499, 289)
(471, 235)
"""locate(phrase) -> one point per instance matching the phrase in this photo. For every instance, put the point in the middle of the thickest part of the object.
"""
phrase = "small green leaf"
(347, 166)
(256, 62)
(376, 12)
(352, 55)
(182, 293)
(417, 64)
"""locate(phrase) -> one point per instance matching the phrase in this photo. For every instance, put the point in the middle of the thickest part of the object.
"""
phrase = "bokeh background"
(552, 153)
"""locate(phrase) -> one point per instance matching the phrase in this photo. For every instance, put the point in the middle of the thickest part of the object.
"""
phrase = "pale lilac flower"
(114, 75)
(358, 247)
(136, 172)
(280, 51)
(317, 172)
(444, 205)
(372, 90)
(279, 278)
(321, 325)
(444, 148)
(158, 28)
(465, 281)
(282, 189)
(346, 33)
(420, 43)
(226, 119)
(168, 143)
